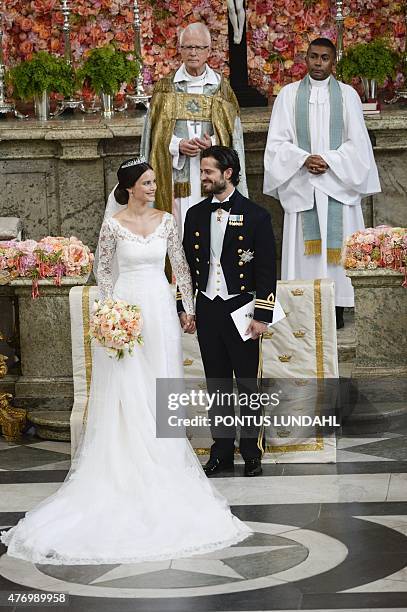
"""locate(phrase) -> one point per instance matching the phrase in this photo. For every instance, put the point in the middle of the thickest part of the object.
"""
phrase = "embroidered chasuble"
(216, 108)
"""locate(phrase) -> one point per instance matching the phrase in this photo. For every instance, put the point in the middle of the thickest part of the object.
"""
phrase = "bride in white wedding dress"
(130, 496)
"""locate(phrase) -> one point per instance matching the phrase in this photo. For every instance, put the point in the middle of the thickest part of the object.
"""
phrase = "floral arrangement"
(372, 60)
(116, 325)
(43, 72)
(51, 257)
(377, 247)
(107, 68)
(278, 31)
(32, 25)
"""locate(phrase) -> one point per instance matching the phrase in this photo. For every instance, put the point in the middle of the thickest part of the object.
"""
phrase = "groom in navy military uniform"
(229, 245)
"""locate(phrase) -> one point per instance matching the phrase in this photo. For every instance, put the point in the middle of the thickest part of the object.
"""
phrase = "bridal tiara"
(134, 162)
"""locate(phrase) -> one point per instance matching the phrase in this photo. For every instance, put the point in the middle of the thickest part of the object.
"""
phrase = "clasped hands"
(255, 329)
(193, 146)
(187, 322)
(315, 164)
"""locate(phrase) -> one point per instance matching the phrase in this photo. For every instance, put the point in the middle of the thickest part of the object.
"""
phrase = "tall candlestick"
(140, 96)
(6, 106)
(339, 19)
(66, 28)
(68, 104)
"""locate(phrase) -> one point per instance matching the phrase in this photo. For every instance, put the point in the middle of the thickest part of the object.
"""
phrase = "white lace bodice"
(142, 256)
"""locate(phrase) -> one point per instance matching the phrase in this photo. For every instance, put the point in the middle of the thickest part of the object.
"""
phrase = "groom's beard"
(214, 187)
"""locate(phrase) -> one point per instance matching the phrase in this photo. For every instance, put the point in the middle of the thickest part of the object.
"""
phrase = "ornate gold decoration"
(12, 420)
(5, 277)
(188, 362)
(285, 358)
(268, 335)
(297, 291)
(299, 333)
(3, 365)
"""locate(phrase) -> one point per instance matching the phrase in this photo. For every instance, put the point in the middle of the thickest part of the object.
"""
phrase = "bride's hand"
(187, 322)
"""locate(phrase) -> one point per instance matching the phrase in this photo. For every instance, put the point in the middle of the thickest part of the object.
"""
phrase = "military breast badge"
(236, 220)
(246, 256)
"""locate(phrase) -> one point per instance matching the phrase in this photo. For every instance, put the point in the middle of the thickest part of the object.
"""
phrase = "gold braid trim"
(259, 384)
(312, 247)
(334, 256)
(319, 346)
(182, 190)
(86, 347)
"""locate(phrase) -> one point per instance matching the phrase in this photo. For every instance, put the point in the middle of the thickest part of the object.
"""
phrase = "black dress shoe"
(252, 467)
(339, 317)
(214, 466)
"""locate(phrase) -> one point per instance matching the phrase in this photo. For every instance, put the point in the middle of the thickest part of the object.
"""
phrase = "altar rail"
(56, 175)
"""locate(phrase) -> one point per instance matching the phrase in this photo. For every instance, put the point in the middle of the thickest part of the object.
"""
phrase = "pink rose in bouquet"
(117, 326)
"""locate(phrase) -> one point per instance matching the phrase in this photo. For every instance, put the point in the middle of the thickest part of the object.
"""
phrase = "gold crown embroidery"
(285, 358)
(297, 291)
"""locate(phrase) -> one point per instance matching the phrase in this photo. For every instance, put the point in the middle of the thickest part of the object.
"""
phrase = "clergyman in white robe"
(352, 175)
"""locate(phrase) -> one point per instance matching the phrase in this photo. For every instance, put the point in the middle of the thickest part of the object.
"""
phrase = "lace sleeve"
(180, 266)
(107, 247)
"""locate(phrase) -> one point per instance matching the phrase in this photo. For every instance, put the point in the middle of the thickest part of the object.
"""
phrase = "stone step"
(51, 424)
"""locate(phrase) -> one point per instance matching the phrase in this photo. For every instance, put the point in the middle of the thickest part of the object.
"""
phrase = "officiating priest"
(319, 163)
(189, 112)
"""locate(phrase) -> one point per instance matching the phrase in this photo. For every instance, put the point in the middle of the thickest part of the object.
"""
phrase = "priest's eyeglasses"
(197, 48)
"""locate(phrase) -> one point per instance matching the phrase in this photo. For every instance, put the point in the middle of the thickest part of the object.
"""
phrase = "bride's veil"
(112, 207)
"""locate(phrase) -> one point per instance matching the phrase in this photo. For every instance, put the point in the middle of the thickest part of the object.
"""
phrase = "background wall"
(278, 30)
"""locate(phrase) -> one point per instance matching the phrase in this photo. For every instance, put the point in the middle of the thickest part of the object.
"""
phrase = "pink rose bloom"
(27, 246)
(281, 44)
(367, 248)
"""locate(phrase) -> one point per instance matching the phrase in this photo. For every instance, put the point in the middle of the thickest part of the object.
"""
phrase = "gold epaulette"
(178, 295)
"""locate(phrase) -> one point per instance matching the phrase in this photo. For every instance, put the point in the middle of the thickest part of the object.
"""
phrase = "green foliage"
(106, 68)
(373, 60)
(44, 72)
(275, 57)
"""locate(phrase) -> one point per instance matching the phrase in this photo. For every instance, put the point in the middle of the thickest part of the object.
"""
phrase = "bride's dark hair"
(128, 174)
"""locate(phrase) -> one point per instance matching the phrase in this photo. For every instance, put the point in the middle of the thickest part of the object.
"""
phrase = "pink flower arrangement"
(117, 326)
(51, 257)
(378, 247)
(278, 31)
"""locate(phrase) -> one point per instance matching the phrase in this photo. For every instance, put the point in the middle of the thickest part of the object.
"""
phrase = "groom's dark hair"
(225, 158)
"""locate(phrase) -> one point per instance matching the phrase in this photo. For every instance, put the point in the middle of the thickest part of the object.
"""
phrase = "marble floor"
(327, 537)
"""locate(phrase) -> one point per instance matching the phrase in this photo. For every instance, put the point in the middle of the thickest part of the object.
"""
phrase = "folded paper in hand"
(242, 317)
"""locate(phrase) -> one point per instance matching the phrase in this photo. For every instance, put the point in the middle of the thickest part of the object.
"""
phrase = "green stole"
(310, 224)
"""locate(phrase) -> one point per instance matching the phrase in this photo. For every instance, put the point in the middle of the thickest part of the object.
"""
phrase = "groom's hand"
(255, 329)
(187, 323)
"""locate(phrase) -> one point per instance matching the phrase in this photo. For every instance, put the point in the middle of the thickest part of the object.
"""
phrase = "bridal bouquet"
(116, 325)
